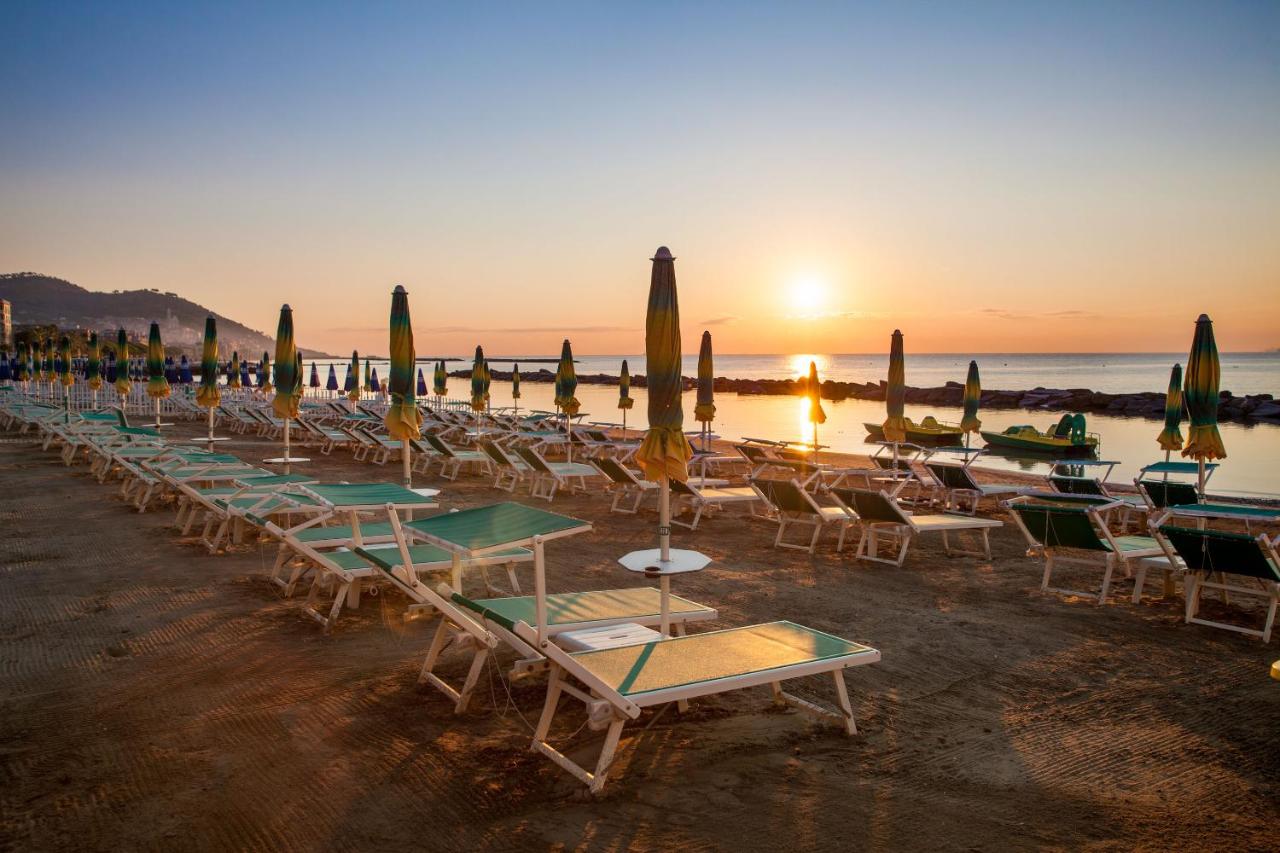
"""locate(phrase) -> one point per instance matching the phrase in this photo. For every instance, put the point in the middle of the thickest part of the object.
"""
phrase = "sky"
(988, 177)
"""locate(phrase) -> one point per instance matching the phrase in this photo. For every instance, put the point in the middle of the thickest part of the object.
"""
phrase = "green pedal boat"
(929, 431)
(1068, 437)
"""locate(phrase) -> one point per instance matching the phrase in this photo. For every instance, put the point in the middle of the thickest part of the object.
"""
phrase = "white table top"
(649, 563)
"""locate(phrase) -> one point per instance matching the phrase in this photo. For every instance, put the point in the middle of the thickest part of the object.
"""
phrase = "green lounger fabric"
(342, 532)
(581, 607)
(367, 494)
(1231, 510)
(495, 525)
(388, 559)
(700, 658)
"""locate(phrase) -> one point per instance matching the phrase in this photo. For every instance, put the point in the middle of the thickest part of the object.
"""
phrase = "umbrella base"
(285, 460)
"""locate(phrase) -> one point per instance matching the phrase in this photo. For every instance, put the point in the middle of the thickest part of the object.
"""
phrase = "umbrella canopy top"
(895, 425)
(477, 381)
(813, 390)
(568, 381)
(157, 384)
(288, 368)
(403, 420)
(1200, 392)
(972, 399)
(624, 388)
(1170, 438)
(705, 408)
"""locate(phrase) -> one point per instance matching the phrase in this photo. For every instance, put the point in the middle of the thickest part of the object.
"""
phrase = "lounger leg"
(433, 651)
(1139, 581)
(548, 706)
(842, 699)
(902, 550)
(1271, 614)
(473, 677)
(1048, 570)
(1191, 589)
(1106, 580)
(610, 747)
(511, 576)
(986, 542)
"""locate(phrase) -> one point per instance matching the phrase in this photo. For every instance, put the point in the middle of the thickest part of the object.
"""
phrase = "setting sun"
(807, 295)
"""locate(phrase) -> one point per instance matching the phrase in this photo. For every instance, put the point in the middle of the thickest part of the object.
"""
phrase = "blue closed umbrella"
(332, 383)
(184, 372)
(245, 379)
(422, 384)
(314, 382)
(373, 381)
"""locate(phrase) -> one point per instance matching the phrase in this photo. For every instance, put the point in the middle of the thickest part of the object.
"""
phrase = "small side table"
(649, 563)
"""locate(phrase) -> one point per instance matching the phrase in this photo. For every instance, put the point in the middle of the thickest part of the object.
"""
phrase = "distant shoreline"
(1261, 408)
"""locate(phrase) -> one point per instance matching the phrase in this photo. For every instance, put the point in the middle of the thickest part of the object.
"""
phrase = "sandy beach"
(156, 697)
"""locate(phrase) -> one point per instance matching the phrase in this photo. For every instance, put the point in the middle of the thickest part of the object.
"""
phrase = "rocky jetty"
(1253, 407)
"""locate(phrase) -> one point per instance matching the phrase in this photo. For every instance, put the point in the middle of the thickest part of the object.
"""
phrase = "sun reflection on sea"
(798, 364)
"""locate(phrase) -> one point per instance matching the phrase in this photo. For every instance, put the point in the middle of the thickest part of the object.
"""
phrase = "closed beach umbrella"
(895, 425)
(665, 452)
(515, 381)
(157, 385)
(246, 378)
(477, 381)
(122, 365)
(109, 370)
(403, 420)
(233, 370)
(625, 402)
(352, 385)
(1204, 443)
(488, 380)
(184, 371)
(559, 383)
(23, 373)
(331, 384)
(93, 367)
(208, 394)
(368, 376)
(288, 376)
(421, 387)
(64, 362)
(1170, 437)
(170, 370)
(440, 379)
(704, 410)
(375, 383)
(264, 374)
(46, 361)
(813, 391)
(972, 399)
(568, 381)
(314, 381)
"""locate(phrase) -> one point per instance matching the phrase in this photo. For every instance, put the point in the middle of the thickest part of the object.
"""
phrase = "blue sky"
(503, 161)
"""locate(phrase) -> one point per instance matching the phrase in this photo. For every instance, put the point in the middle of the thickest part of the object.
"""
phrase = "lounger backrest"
(754, 455)
(495, 453)
(1163, 494)
(952, 476)
(887, 463)
(533, 460)
(1075, 485)
(437, 444)
(1222, 551)
(786, 496)
(612, 469)
(679, 488)
(872, 506)
(1059, 526)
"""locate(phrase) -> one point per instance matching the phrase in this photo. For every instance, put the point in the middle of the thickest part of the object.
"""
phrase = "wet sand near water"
(156, 697)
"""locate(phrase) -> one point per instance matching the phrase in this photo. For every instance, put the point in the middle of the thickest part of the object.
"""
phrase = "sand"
(156, 697)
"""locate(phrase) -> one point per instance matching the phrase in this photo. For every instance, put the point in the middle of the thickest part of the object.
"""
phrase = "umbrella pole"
(404, 458)
(664, 552)
(157, 413)
(1200, 478)
(211, 425)
(624, 424)
(286, 445)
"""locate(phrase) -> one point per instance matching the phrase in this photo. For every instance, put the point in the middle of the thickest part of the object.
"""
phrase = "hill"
(40, 299)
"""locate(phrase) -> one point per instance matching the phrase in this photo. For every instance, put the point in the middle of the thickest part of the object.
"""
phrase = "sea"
(1252, 469)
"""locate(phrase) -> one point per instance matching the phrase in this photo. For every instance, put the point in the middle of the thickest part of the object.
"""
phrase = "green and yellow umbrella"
(515, 380)
(368, 376)
(440, 379)
(93, 367)
(46, 360)
(568, 381)
(1170, 438)
(24, 363)
(895, 425)
(559, 384)
(264, 374)
(705, 408)
(403, 419)
(64, 362)
(208, 394)
(665, 452)
(815, 415)
(288, 375)
(972, 399)
(352, 385)
(625, 400)
(477, 381)
(123, 385)
(1200, 391)
(157, 385)
(233, 370)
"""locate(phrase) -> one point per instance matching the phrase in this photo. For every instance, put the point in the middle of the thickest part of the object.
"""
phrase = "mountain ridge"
(44, 299)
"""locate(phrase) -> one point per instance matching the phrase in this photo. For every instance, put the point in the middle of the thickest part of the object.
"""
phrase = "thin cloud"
(1068, 314)
(447, 330)
(719, 321)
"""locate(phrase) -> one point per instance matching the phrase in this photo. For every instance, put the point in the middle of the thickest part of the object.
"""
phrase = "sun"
(807, 295)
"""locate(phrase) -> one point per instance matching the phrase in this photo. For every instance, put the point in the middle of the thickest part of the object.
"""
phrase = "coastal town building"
(6, 323)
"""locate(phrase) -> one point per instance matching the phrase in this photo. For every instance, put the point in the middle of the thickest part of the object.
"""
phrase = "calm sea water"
(1252, 469)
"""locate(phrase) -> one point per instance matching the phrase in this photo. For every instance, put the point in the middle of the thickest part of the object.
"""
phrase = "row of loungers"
(598, 646)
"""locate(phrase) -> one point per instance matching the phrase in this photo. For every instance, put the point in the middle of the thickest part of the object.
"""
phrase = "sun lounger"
(545, 478)
(509, 471)
(960, 491)
(879, 515)
(1057, 526)
(702, 498)
(1205, 553)
(453, 459)
(793, 506)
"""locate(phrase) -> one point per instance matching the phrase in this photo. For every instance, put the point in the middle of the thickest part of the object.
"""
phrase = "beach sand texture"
(155, 697)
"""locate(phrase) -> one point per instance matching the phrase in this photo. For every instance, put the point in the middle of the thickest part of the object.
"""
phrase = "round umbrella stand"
(284, 460)
(649, 563)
